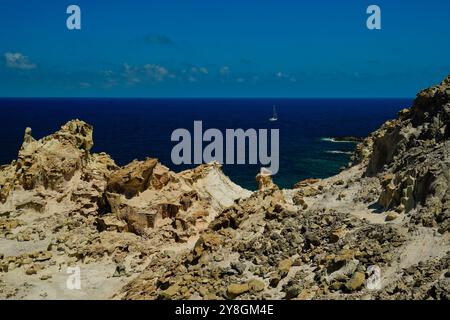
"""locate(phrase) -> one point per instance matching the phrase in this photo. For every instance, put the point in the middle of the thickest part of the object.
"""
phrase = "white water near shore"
(336, 141)
(338, 152)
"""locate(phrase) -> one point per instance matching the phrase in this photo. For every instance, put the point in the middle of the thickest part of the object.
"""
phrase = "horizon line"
(200, 97)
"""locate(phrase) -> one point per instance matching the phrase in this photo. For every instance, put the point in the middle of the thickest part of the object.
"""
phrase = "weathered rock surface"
(411, 156)
(82, 209)
(264, 180)
(324, 238)
(377, 230)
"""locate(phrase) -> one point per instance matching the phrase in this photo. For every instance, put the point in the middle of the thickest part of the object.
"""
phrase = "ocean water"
(130, 129)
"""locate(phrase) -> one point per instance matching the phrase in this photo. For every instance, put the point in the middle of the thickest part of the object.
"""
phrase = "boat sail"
(274, 116)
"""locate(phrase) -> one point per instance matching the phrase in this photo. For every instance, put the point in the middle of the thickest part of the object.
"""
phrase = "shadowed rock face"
(134, 178)
(412, 152)
(425, 123)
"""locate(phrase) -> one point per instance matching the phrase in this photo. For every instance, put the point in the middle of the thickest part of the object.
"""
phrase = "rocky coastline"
(347, 139)
(380, 229)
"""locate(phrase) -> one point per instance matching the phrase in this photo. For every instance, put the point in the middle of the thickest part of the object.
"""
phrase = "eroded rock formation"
(78, 207)
(411, 154)
(377, 230)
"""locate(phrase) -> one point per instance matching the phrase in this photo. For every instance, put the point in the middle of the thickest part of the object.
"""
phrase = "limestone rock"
(292, 292)
(33, 269)
(236, 289)
(298, 200)
(111, 223)
(283, 267)
(133, 178)
(391, 216)
(264, 180)
(305, 183)
(356, 282)
(256, 285)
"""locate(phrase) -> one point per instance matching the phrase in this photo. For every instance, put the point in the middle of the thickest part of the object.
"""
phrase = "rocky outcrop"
(155, 202)
(91, 210)
(57, 168)
(411, 154)
(137, 177)
(264, 180)
(7, 173)
(49, 162)
(347, 139)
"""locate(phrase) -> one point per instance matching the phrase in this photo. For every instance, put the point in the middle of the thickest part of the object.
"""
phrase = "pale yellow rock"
(256, 285)
(356, 282)
(264, 180)
(234, 290)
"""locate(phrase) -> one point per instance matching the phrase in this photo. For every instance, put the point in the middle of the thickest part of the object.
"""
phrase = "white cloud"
(107, 73)
(199, 70)
(148, 73)
(281, 75)
(18, 61)
(156, 72)
(224, 71)
(130, 74)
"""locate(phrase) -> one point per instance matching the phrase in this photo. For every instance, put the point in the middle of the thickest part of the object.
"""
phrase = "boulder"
(283, 267)
(236, 289)
(356, 282)
(133, 178)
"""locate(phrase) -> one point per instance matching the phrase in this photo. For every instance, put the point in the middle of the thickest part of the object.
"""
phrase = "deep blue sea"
(130, 129)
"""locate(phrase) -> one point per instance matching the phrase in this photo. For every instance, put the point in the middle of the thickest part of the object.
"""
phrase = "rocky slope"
(377, 230)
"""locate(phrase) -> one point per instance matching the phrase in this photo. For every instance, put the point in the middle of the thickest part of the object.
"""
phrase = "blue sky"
(233, 48)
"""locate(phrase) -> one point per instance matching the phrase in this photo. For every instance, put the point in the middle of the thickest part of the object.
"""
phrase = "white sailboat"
(274, 116)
